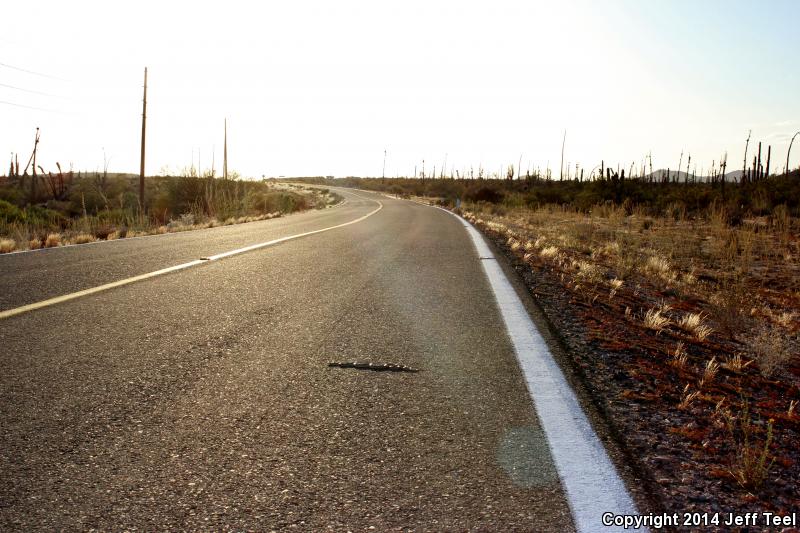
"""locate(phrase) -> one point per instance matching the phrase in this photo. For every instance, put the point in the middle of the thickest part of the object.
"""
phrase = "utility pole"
(383, 173)
(225, 153)
(563, 142)
(33, 180)
(744, 164)
(141, 161)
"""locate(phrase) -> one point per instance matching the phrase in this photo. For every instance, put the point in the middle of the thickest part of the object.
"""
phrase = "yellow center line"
(100, 288)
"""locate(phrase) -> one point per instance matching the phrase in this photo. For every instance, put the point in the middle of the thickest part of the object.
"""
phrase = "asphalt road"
(202, 399)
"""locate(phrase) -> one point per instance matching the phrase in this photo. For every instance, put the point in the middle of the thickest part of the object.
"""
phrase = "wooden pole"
(33, 180)
(141, 161)
(746, 145)
(225, 153)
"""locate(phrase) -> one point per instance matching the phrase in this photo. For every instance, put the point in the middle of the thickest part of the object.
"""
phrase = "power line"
(29, 107)
(27, 90)
(32, 72)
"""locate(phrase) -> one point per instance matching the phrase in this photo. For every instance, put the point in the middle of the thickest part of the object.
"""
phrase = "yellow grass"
(53, 240)
(655, 320)
(549, 252)
(7, 245)
(83, 238)
(694, 323)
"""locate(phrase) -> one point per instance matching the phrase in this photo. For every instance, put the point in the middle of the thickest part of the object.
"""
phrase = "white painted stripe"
(590, 480)
(66, 297)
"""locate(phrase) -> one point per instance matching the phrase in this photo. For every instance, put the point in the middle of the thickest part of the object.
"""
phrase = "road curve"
(203, 399)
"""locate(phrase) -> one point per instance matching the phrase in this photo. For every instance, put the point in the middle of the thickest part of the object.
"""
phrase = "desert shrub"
(10, 213)
(32, 215)
(770, 347)
(484, 194)
(260, 202)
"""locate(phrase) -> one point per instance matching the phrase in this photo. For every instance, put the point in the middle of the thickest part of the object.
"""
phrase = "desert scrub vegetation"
(87, 208)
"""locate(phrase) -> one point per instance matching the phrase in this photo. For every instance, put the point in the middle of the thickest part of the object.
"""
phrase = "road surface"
(203, 399)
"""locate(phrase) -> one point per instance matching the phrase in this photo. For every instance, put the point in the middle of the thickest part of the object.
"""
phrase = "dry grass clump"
(736, 363)
(83, 238)
(496, 226)
(53, 240)
(656, 320)
(606, 250)
(7, 245)
(660, 267)
(687, 398)
(679, 357)
(35, 244)
(588, 272)
(693, 323)
(785, 319)
(709, 372)
(549, 252)
(615, 285)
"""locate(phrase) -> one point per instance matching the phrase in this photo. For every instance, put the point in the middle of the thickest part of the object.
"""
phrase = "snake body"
(378, 367)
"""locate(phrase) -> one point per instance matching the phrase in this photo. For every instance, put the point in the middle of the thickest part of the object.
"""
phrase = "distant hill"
(729, 176)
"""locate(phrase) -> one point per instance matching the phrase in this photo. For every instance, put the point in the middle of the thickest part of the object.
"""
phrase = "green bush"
(10, 213)
(259, 202)
(32, 215)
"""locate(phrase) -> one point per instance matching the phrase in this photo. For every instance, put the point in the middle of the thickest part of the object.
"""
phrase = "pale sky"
(323, 87)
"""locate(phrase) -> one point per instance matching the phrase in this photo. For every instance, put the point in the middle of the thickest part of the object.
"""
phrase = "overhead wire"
(33, 72)
(30, 107)
(28, 90)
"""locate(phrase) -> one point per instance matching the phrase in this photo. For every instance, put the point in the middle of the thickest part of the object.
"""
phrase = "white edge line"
(100, 288)
(592, 485)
